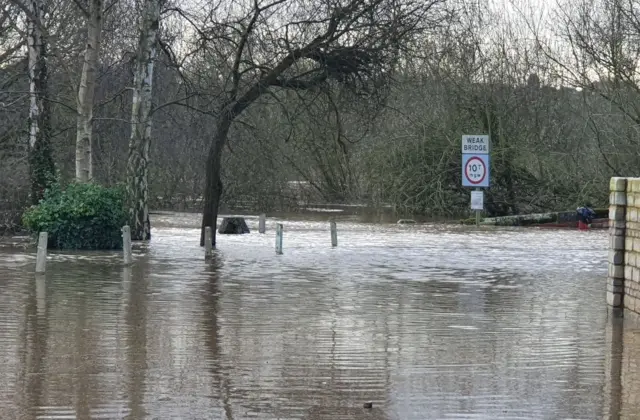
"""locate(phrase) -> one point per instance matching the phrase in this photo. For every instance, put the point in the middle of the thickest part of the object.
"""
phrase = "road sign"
(477, 144)
(475, 170)
(477, 200)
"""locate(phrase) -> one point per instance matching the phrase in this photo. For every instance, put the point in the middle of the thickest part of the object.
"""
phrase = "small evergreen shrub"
(82, 216)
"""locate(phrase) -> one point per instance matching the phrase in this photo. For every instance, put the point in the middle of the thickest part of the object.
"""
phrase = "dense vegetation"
(80, 216)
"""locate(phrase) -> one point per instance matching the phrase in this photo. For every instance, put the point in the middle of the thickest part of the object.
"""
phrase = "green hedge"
(82, 216)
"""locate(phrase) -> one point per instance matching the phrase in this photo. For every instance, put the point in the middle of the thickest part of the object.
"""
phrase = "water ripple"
(425, 322)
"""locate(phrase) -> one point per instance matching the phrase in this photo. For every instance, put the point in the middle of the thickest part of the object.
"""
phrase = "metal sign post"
(475, 169)
(477, 204)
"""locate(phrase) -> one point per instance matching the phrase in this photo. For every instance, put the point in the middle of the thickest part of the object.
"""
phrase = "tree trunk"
(84, 166)
(139, 142)
(41, 166)
(213, 185)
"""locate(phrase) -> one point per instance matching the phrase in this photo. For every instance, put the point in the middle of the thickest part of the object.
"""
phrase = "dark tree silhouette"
(253, 48)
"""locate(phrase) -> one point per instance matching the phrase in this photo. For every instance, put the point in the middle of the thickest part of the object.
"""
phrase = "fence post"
(279, 229)
(126, 245)
(262, 223)
(208, 246)
(334, 234)
(41, 256)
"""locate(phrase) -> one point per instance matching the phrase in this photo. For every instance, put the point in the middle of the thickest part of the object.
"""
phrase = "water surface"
(426, 322)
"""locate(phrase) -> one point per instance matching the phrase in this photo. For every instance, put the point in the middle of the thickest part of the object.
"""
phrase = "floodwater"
(425, 322)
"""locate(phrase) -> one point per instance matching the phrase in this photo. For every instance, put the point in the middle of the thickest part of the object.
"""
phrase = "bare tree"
(253, 47)
(9, 32)
(42, 170)
(138, 161)
(40, 158)
(276, 91)
(598, 53)
(14, 176)
(93, 13)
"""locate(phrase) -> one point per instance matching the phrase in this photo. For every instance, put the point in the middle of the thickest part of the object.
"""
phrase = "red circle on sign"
(484, 171)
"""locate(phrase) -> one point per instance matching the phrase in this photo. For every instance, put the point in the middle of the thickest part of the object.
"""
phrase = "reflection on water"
(425, 322)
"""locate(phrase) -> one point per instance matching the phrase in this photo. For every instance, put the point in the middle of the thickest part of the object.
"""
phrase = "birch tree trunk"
(42, 170)
(84, 167)
(137, 163)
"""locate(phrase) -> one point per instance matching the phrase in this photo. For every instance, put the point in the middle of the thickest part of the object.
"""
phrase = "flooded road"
(426, 322)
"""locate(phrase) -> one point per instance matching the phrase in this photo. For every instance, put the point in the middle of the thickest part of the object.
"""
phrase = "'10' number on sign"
(475, 170)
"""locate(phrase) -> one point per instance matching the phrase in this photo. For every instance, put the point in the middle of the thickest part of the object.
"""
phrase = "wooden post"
(208, 246)
(41, 256)
(334, 234)
(262, 223)
(126, 245)
(279, 229)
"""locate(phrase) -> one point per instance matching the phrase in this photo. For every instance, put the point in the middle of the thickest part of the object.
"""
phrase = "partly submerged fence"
(41, 256)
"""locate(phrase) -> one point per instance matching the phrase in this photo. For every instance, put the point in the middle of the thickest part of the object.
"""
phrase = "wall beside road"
(623, 280)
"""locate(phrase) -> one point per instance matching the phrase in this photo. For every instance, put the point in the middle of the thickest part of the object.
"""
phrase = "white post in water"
(262, 223)
(41, 294)
(41, 256)
(126, 245)
(208, 246)
(279, 238)
(334, 234)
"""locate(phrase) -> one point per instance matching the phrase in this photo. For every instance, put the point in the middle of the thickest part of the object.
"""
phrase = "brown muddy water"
(426, 322)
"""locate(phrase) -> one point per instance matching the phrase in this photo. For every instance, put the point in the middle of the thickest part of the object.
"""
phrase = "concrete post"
(41, 294)
(279, 230)
(262, 223)
(334, 234)
(208, 246)
(41, 256)
(126, 245)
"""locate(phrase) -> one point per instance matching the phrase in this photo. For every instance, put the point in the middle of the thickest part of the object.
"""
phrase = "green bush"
(82, 216)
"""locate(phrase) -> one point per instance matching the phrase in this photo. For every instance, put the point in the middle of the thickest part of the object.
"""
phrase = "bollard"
(41, 256)
(279, 229)
(126, 245)
(41, 294)
(208, 251)
(126, 280)
(262, 223)
(334, 234)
